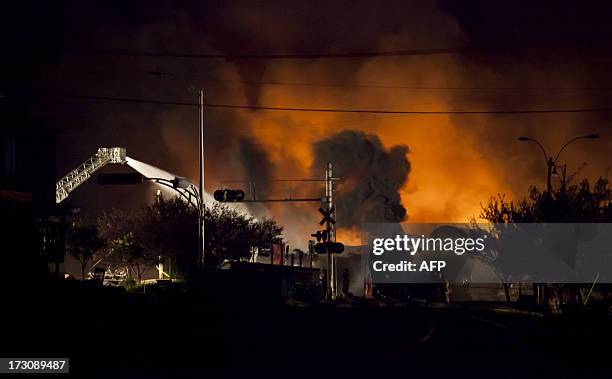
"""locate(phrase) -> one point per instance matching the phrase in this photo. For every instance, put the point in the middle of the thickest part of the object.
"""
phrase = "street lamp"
(181, 185)
(551, 163)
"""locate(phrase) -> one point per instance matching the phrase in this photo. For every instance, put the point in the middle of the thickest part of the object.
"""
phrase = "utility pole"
(202, 208)
(201, 205)
(331, 231)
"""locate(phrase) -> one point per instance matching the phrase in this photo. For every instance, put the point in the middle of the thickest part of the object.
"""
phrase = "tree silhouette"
(168, 229)
(132, 253)
(574, 203)
(231, 234)
(82, 242)
(581, 203)
(123, 235)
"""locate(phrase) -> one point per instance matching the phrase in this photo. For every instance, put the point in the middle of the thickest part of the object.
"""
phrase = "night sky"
(505, 55)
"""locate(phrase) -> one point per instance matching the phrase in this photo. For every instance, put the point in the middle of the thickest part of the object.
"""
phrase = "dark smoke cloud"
(371, 176)
(38, 37)
(164, 136)
(258, 170)
(555, 45)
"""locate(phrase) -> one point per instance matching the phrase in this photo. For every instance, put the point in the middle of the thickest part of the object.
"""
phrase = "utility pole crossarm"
(308, 199)
(76, 177)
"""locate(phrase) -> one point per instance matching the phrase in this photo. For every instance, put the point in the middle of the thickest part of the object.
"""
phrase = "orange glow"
(349, 237)
(450, 177)
(456, 163)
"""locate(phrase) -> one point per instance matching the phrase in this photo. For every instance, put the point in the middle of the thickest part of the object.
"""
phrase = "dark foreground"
(110, 334)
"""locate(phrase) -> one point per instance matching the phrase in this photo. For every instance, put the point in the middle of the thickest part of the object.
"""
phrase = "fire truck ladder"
(76, 177)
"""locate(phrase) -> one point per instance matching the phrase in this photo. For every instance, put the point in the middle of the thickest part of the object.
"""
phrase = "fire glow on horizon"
(455, 162)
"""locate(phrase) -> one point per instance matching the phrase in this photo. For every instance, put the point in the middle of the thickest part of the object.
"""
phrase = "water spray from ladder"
(151, 172)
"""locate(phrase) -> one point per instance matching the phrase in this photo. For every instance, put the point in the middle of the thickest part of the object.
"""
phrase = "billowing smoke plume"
(258, 172)
(456, 162)
(372, 176)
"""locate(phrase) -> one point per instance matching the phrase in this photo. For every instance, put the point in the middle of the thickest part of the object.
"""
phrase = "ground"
(108, 333)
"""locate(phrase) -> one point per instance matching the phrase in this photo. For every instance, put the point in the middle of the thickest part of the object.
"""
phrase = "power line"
(173, 76)
(319, 55)
(382, 86)
(363, 54)
(334, 110)
(429, 88)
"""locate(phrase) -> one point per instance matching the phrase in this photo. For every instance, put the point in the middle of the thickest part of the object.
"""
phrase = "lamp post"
(551, 163)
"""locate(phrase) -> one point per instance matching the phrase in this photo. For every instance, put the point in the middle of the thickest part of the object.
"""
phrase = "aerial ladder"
(76, 177)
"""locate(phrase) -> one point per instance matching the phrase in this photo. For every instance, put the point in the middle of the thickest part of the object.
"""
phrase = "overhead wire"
(337, 110)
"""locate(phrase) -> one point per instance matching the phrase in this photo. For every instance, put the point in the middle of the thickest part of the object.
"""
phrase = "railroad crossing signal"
(329, 247)
(327, 215)
(321, 235)
(324, 245)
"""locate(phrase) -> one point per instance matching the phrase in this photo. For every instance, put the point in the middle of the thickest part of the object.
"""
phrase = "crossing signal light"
(228, 195)
(329, 247)
(321, 235)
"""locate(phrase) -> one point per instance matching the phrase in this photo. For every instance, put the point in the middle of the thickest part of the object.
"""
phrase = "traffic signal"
(228, 195)
(329, 247)
(118, 179)
(321, 235)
